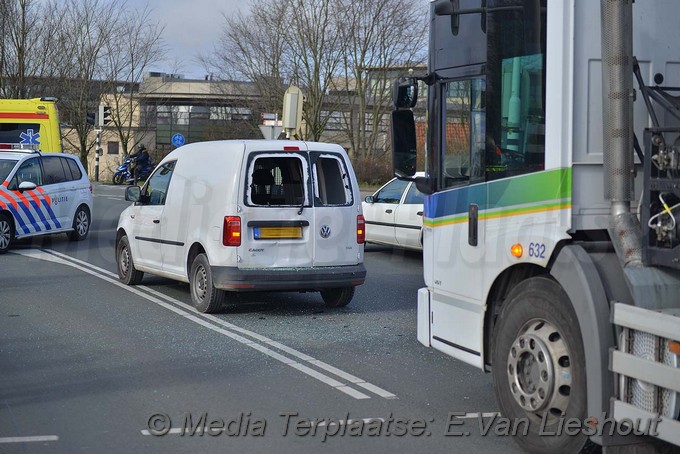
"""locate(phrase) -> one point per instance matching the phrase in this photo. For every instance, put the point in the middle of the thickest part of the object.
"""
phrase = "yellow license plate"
(268, 233)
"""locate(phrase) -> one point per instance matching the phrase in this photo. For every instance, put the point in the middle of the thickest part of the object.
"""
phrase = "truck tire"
(204, 296)
(6, 232)
(337, 297)
(539, 366)
(127, 273)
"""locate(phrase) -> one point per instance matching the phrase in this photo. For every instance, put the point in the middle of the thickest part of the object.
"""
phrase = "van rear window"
(333, 186)
(277, 181)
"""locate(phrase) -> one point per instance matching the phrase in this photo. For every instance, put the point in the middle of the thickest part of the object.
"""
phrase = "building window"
(112, 148)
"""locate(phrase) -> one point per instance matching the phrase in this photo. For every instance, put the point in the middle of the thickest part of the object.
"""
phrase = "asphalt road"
(90, 365)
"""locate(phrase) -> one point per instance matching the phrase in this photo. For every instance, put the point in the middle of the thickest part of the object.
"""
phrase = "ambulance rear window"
(12, 132)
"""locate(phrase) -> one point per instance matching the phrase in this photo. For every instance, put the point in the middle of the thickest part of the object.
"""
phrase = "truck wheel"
(205, 297)
(6, 232)
(337, 297)
(127, 272)
(539, 365)
(81, 224)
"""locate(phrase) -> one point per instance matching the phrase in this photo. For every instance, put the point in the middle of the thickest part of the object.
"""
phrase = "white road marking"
(38, 438)
(342, 422)
(476, 415)
(192, 314)
(175, 431)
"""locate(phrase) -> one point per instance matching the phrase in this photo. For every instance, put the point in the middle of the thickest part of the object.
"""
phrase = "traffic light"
(91, 118)
(104, 115)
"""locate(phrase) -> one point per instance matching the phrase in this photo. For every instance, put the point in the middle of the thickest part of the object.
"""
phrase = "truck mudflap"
(647, 369)
(288, 279)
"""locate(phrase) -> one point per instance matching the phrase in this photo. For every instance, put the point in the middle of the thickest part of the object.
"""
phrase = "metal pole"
(96, 158)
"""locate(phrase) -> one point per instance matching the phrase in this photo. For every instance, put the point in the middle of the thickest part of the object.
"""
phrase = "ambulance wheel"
(127, 273)
(6, 232)
(81, 224)
(539, 365)
(204, 296)
(337, 297)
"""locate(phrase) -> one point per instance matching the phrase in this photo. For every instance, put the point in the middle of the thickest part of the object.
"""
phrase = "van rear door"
(277, 221)
(335, 213)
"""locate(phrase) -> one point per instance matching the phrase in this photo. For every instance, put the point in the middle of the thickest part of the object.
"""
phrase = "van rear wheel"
(337, 297)
(204, 296)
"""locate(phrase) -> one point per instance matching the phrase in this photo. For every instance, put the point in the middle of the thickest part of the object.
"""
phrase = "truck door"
(457, 261)
(335, 212)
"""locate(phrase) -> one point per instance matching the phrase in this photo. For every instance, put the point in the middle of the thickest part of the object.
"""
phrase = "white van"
(247, 216)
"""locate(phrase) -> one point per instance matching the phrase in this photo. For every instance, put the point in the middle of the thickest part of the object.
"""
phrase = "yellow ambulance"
(30, 123)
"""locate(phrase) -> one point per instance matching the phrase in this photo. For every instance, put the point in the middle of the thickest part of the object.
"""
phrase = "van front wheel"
(337, 297)
(205, 297)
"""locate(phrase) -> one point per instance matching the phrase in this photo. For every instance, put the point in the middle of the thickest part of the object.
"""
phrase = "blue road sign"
(178, 140)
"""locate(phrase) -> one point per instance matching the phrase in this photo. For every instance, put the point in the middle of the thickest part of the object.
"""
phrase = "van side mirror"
(405, 93)
(133, 194)
(403, 143)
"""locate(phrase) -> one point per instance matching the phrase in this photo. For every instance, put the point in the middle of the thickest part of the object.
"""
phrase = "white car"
(43, 193)
(394, 215)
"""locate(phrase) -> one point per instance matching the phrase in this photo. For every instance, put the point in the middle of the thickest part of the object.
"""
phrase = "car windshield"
(6, 166)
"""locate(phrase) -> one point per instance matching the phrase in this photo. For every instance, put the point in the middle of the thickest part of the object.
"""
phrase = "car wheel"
(539, 365)
(6, 232)
(204, 296)
(118, 178)
(127, 273)
(81, 224)
(337, 297)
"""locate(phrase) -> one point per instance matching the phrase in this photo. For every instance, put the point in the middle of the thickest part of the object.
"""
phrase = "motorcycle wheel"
(118, 178)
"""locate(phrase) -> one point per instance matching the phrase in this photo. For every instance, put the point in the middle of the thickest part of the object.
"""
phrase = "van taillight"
(231, 232)
(361, 229)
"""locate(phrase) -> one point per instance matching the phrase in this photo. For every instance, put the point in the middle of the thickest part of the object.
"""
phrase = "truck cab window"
(516, 92)
(464, 130)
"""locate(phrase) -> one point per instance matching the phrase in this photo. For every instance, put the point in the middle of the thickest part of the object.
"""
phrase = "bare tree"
(127, 57)
(254, 47)
(316, 56)
(25, 48)
(379, 36)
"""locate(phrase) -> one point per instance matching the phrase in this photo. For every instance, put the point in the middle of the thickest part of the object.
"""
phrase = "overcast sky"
(191, 27)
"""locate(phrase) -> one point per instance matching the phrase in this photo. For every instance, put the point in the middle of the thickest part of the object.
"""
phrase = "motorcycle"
(124, 172)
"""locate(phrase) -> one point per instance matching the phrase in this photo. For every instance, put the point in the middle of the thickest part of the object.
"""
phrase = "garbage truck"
(551, 227)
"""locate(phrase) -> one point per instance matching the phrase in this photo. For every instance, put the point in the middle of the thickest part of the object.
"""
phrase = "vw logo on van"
(325, 231)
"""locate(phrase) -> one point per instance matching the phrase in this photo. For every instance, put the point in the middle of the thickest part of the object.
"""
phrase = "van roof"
(253, 145)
